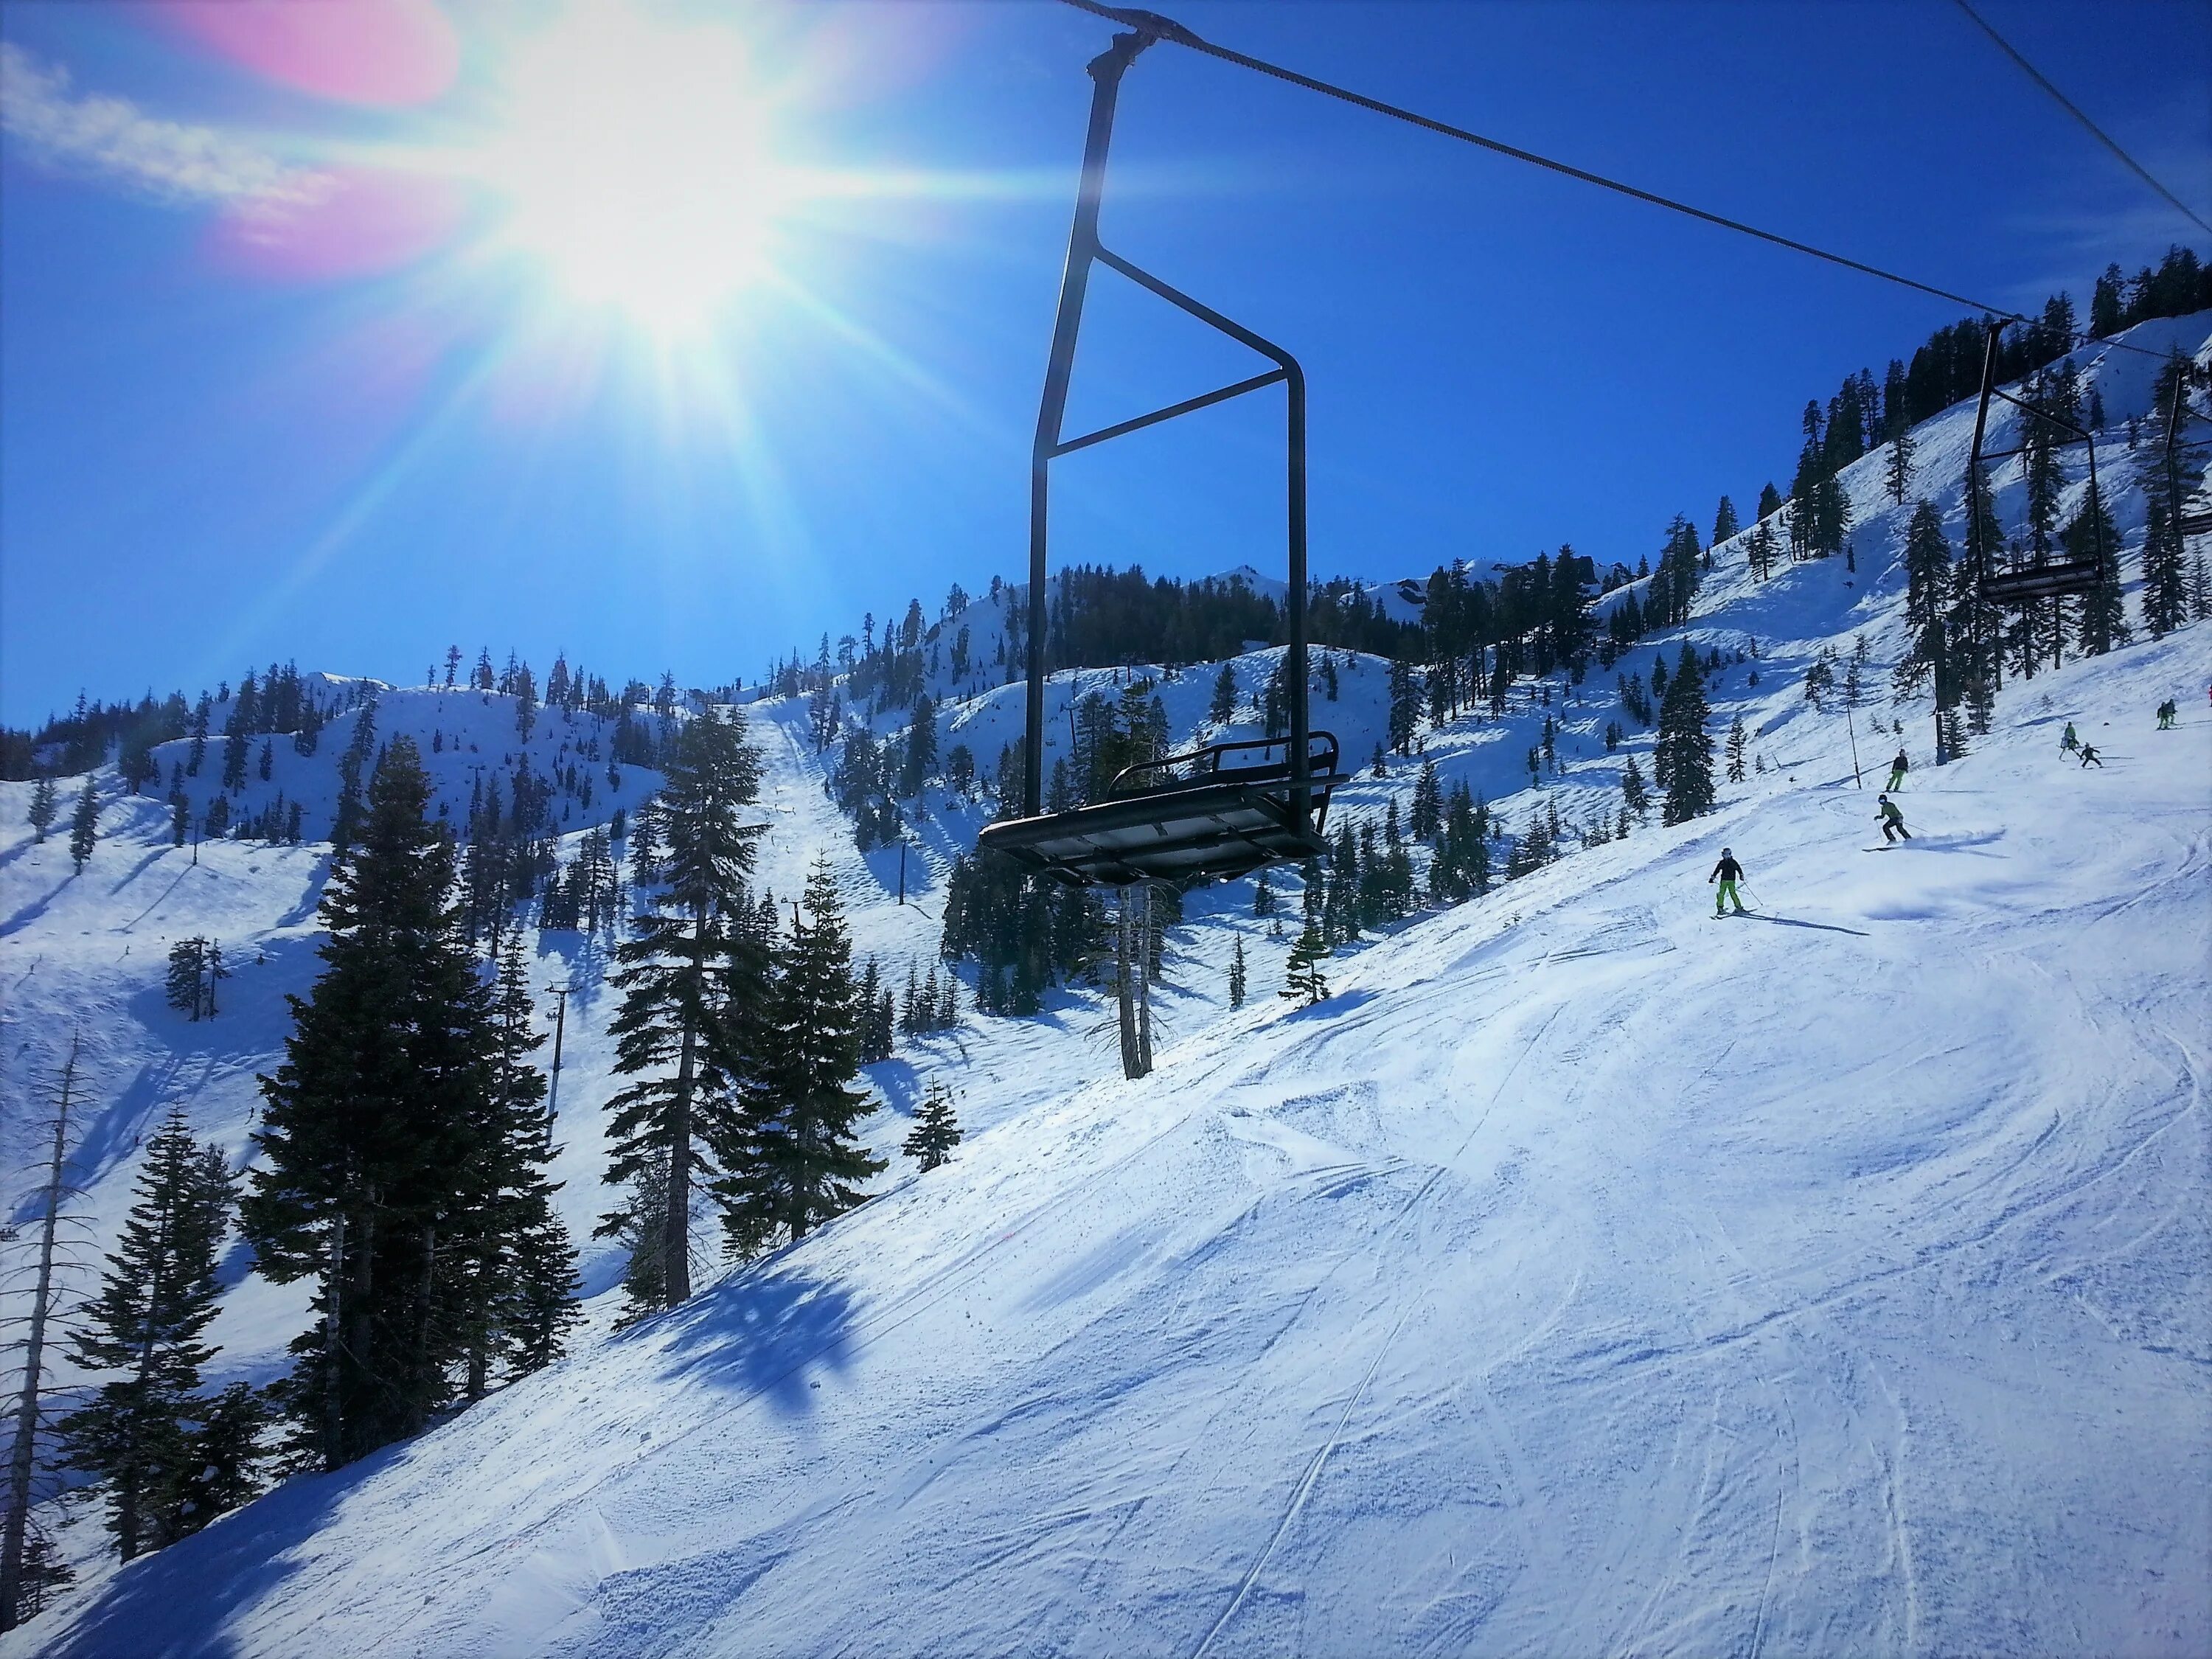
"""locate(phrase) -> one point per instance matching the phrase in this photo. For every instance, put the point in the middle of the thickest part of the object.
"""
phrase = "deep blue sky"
(207, 462)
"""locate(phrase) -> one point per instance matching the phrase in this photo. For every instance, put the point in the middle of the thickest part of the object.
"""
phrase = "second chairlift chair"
(1227, 809)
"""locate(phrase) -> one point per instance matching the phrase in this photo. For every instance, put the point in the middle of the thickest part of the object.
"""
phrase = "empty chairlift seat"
(1219, 811)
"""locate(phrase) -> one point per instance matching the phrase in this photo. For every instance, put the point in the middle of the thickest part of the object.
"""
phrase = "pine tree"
(216, 973)
(1735, 749)
(44, 807)
(1265, 901)
(187, 975)
(1237, 974)
(1724, 522)
(1405, 707)
(140, 1434)
(524, 1299)
(1223, 708)
(935, 1132)
(2092, 535)
(84, 826)
(1898, 473)
(1687, 750)
(1634, 797)
(693, 971)
(793, 1163)
(373, 1131)
(2165, 580)
(1301, 976)
(234, 747)
(352, 766)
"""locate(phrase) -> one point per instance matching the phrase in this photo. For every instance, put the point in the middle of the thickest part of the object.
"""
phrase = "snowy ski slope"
(1585, 1275)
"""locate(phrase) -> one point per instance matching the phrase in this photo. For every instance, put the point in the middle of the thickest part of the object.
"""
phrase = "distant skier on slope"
(2070, 742)
(1893, 822)
(2165, 714)
(1897, 768)
(2090, 757)
(1727, 873)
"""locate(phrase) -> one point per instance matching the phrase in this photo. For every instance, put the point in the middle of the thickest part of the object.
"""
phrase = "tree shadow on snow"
(181, 1599)
(900, 1083)
(1341, 1002)
(1792, 921)
(761, 1333)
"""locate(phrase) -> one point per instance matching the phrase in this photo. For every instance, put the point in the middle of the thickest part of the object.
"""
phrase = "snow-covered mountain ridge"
(1585, 1274)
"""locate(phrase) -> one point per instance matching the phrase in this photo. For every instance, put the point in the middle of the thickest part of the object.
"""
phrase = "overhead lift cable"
(1165, 28)
(2068, 105)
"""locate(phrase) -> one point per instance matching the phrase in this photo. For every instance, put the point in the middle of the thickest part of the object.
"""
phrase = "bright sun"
(634, 156)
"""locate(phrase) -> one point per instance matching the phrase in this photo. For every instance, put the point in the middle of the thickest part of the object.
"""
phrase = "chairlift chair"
(1230, 808)
(2048, 579)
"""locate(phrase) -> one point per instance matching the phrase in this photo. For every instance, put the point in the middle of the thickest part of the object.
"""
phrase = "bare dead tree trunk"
(23, 1462)
(1125, 985)
(1143, 955)
(676, 1218)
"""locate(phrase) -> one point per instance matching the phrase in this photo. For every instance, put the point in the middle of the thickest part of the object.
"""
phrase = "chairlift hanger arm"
(1085, 250)
(1189, 406)
(2040, 414)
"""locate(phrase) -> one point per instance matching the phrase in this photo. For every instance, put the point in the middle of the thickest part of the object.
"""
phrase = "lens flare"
(633, 158)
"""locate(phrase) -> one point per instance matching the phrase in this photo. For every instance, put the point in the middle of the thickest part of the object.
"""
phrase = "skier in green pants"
(1893, 822)
(1727, 873)
(1896, 770)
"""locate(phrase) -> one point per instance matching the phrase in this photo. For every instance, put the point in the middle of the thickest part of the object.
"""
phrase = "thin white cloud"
(113, 139)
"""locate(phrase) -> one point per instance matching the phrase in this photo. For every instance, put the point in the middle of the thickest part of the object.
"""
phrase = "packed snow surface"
(1585, 1275)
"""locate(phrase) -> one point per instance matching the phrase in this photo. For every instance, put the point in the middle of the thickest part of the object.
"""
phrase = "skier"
(1893, 822)
(2165, 714)
(1727, 873)
(1897, 768)
(2070, 742)
(2089, 758)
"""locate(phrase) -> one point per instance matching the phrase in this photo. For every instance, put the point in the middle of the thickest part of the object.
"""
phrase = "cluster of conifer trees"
(740, 1038)
(168, 1453)
(403, 1146)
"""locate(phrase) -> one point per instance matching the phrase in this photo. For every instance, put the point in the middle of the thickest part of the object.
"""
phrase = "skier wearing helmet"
(1727, 873)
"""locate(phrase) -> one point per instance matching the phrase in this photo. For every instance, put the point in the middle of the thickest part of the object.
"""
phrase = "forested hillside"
(1480, 1181)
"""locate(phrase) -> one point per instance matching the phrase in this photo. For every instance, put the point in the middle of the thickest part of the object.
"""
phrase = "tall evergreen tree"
(935, 1132)
(1897, 472)
(85, 826)
(1223, 708)
(794, 1164)
(2092, 535)
(372, 1131)
(2166, 577)
(187, 977)
(524, 1300)
(693, 980)
(1683, 742)
(1301, 976)
(1428, 806)
(1724, 522)
(44, 807)
(1237, 973)
(1635, 794)
(1736, 742)
(141, 1435)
